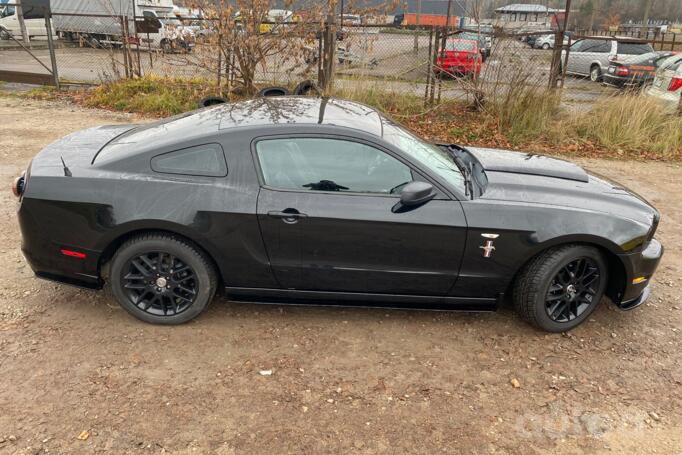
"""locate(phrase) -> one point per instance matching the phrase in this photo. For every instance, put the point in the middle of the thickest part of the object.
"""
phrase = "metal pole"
(554, 73)
(50, 45)
(416, 30)
(429, 68)
(137, 40)
(22, 25)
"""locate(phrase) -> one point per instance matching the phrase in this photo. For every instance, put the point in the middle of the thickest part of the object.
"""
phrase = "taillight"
(18, 185)
(675, 84)
(622, 71)
(73, 254)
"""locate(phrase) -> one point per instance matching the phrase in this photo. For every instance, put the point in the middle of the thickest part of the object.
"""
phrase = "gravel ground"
(79, 375)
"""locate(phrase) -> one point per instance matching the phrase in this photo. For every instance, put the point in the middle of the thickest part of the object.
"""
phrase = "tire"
(595, 73)
(535, 293)
(211, 101)
(545, 46)
(166, 46)
(187, 292)
(273, 91)
(306, 88)
(4, 34)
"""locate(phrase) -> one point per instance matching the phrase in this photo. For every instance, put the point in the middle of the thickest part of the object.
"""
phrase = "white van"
(9, 24)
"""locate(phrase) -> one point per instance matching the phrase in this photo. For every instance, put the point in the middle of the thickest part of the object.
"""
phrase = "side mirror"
(413, 195)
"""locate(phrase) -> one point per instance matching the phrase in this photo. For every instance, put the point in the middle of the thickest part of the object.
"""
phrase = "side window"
(329, 165)
(206, 160)
(576, 46)
(602, 46)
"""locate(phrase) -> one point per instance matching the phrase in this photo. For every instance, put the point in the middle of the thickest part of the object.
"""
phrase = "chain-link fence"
(430, 62)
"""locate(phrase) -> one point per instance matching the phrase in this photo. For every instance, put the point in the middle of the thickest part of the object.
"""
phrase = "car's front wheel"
(162, 279)
(560, 287)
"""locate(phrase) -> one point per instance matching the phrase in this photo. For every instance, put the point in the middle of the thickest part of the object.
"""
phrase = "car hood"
(537, 179)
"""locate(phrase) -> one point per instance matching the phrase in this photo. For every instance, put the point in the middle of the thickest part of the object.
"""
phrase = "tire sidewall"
(568, 256)
(205, 288)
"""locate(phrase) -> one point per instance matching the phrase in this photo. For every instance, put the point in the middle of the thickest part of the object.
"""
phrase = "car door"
(325, 213)
(587, 54)
(574, 56)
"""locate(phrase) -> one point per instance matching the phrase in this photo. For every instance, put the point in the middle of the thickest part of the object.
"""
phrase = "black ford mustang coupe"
(315, 200)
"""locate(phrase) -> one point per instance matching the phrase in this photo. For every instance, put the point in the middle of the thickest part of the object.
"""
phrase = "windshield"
(165, 20)
(433, 157)
(634, 48)
(461, 45)
(670, 62)
(642, 58)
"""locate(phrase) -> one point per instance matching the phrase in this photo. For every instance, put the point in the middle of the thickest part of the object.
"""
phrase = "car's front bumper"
(634, 303)
(639, 268)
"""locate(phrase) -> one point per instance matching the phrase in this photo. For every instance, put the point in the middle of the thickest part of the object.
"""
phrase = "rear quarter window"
(634, 48)
(202, 160)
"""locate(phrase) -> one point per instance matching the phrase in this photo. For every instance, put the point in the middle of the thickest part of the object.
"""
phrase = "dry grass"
(630, 123)
(151, 95)
(525, 113)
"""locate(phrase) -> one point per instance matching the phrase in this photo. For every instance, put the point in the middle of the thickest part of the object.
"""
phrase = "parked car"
(636, 71)
(484, 42)
(9, 24)
(592, 56)
(460, 57)
(530, 39)
(547, 41)
(320, 200)
(667, 85)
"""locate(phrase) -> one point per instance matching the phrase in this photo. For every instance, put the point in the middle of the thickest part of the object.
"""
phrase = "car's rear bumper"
(54, 260)
(639, 267)
(621, 82)
(456, 68)
(670, 100)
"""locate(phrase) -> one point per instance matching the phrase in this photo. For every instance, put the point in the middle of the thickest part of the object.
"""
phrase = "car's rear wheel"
(595, 73)
(545, 46)
(162, 279)
(560, 287)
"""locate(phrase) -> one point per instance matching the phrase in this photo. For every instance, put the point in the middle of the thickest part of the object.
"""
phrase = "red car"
(461, 56)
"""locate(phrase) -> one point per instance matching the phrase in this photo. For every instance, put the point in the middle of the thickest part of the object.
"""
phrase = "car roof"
(255, 113)
(300, 110)
(621, 39)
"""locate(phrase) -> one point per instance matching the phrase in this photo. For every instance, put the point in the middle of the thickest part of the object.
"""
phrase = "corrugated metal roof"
(526, 8)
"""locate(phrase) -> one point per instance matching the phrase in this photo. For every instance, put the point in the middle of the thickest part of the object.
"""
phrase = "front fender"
(524, 231)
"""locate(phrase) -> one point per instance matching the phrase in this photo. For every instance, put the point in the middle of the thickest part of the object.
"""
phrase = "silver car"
(667, 86)
(592, 56)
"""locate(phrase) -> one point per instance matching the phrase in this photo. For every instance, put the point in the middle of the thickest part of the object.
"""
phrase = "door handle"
(289, 216)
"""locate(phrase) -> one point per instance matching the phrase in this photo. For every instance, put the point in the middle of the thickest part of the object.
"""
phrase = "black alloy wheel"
(161, 278)
(573, 290)
(560, 287)
(160, 284)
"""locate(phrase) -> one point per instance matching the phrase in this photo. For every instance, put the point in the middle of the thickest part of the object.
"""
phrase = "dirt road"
(72, 363)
